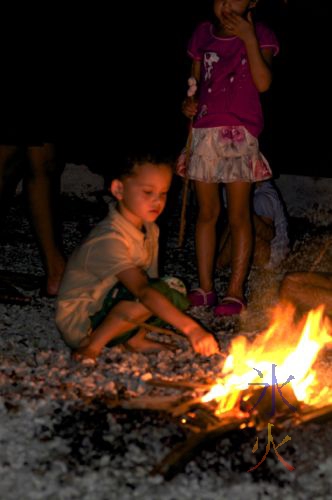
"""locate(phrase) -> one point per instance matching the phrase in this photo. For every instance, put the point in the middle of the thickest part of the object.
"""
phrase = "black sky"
(88, 69)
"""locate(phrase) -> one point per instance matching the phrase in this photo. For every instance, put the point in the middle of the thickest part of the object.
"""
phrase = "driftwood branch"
(201, 426)
(179, 384)
(152, 403)
(178, 458)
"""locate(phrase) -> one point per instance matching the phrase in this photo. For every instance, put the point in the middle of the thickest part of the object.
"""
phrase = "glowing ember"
(289, 349)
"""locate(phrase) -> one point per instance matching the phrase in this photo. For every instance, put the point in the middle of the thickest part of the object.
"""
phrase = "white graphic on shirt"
(203, 111)
(209, 59)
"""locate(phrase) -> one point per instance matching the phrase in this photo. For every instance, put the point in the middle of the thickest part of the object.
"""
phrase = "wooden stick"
(312, 414)
(179, 384)
(185, 406)
(158, 329)
(185, 189)
(178, 458)
(152, 403)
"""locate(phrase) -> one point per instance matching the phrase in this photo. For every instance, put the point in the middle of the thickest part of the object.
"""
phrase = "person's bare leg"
(262, 252)
(238, 201)
(43, 189)
(120, 319)
(205, 236)
(264, 233)
(225, 249)
(10, 173)
(308, 290)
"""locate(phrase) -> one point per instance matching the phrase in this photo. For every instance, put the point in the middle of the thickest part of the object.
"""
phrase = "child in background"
(111, 283)
(271, 243)
(232, 64)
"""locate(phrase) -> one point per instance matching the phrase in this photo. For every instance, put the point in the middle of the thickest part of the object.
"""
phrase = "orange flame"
(292, 348)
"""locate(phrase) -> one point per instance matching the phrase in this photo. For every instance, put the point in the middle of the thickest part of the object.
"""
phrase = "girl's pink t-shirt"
(227, 94)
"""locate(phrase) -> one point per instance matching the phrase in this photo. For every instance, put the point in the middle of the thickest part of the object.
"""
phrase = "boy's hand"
(189, 107)
(203, 342)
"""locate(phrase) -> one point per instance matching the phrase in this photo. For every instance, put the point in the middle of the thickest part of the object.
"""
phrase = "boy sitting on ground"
(111, 282)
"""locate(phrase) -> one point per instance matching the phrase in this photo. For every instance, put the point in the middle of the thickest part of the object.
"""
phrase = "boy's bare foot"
(139, 343)
(85, 356)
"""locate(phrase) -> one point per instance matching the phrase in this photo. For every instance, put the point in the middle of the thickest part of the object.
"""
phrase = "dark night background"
(66, 68)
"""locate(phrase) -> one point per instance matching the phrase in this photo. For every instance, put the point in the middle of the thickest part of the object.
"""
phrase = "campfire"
(270, 381)
(284, 354)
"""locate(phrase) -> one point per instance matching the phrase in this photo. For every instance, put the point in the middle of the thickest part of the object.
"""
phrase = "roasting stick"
(185, 190)
(158, 329)
(190, 93)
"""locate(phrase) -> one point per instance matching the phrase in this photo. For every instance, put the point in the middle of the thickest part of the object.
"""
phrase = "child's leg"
(238, 201)
(120, 315)
(262, 252)
(208, 213)
(121, 319)
(224, 256)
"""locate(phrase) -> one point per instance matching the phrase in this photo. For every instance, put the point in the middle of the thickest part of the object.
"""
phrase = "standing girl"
(232, 64)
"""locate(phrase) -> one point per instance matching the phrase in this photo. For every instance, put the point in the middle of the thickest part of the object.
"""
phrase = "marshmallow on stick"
(192, 86)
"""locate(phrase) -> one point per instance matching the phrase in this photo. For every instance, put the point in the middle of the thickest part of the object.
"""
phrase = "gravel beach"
(60, 437)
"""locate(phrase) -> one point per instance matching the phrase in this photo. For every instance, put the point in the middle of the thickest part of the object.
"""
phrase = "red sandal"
(229, 306)
(198, 297)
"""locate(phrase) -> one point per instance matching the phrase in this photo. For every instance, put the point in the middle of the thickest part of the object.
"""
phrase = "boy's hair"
(138, 155)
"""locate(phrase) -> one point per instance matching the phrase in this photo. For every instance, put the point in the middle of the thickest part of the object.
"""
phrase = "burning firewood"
(196, 441)
(241, 398)
(178, 458)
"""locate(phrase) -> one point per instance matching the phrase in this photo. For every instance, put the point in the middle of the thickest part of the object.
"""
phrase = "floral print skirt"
(223, 154)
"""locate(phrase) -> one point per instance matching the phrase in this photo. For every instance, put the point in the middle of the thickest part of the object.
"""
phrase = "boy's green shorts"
(170, 287)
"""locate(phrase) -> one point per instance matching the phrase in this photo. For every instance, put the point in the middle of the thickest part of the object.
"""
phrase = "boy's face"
(142, 196)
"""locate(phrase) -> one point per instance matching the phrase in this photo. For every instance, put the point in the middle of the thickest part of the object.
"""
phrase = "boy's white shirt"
(112, 247)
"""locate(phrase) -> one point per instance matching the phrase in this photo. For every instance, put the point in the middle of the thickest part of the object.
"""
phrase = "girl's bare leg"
(224, 256)
(261, 253)
(238, 202)
(208, 213)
